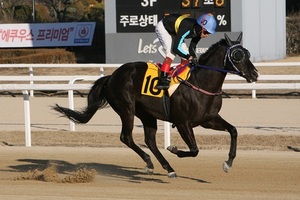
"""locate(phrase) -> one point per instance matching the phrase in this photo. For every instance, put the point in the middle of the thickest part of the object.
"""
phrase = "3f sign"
(146, 3)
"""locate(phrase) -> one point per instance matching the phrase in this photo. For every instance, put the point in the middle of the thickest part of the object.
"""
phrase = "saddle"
(176, 74)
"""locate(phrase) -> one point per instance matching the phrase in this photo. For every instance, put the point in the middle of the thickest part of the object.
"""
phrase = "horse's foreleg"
(187, 134)
(220, 124)
(233, 145)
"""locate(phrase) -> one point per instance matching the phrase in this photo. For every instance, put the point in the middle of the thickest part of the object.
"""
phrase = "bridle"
(235, 54)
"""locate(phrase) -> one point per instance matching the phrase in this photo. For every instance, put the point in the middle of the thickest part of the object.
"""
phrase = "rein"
(197, 88)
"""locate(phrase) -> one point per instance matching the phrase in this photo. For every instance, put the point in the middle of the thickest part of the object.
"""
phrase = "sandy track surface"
(120, 175)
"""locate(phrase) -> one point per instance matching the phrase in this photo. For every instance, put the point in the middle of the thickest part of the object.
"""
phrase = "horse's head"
(237, 60)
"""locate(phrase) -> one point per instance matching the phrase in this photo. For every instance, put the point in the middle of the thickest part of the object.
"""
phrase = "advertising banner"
(46, 34)
(130, 26)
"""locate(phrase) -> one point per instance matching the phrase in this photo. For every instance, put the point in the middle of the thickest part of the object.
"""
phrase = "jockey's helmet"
(208, 22)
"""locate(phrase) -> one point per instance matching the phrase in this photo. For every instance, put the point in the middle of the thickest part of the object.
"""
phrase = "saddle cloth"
(152, 75)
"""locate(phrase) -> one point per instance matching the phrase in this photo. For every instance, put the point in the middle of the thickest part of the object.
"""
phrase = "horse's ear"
(228, 41)
(240, 38)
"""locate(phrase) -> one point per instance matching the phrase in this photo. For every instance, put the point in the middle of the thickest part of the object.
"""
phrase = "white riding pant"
(166, 40)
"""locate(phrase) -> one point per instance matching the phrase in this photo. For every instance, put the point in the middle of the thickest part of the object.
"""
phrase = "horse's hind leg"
(126, 138)
(220, 124)
(150, 129)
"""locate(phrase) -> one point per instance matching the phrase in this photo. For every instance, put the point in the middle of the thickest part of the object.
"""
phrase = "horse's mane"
(204, 57)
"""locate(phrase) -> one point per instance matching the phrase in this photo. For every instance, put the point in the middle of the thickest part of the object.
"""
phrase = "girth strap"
(166, 104)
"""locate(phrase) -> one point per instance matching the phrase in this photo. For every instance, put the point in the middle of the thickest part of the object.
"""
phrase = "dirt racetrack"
(91, 165)
(119, 175)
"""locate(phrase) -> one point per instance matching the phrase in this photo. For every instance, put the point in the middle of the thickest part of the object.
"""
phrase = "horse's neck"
(209, 80)
(212, 79)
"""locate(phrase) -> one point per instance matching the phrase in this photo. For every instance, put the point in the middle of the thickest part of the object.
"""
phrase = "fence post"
(167, 136)
(253, 93)
(101, 71)
(71, 100)
(71, 106)
(27, 119)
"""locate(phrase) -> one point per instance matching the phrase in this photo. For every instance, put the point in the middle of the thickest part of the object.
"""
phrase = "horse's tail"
(96, 100)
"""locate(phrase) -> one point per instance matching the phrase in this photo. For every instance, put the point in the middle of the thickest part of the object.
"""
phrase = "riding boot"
(163, 82)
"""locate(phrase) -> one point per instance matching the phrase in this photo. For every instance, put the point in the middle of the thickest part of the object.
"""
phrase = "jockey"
(172, 30)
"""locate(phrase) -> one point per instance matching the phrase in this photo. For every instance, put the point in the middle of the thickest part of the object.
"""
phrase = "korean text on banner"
(46, 34)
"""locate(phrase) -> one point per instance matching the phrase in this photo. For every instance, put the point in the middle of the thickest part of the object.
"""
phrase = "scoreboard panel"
(143, 15)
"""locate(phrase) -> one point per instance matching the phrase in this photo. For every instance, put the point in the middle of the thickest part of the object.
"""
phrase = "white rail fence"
(74, 85)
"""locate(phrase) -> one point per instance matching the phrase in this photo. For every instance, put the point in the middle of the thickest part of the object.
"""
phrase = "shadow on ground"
(129, 174)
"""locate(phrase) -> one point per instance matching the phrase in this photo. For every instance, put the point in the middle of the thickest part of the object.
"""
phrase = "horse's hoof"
(226, 167)
(173, 149)
(172, 175)
(148, 171)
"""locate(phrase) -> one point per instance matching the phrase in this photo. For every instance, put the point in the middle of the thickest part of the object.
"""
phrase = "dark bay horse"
(196, 101)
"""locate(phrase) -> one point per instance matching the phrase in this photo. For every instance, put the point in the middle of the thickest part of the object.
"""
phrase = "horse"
(196, 101)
